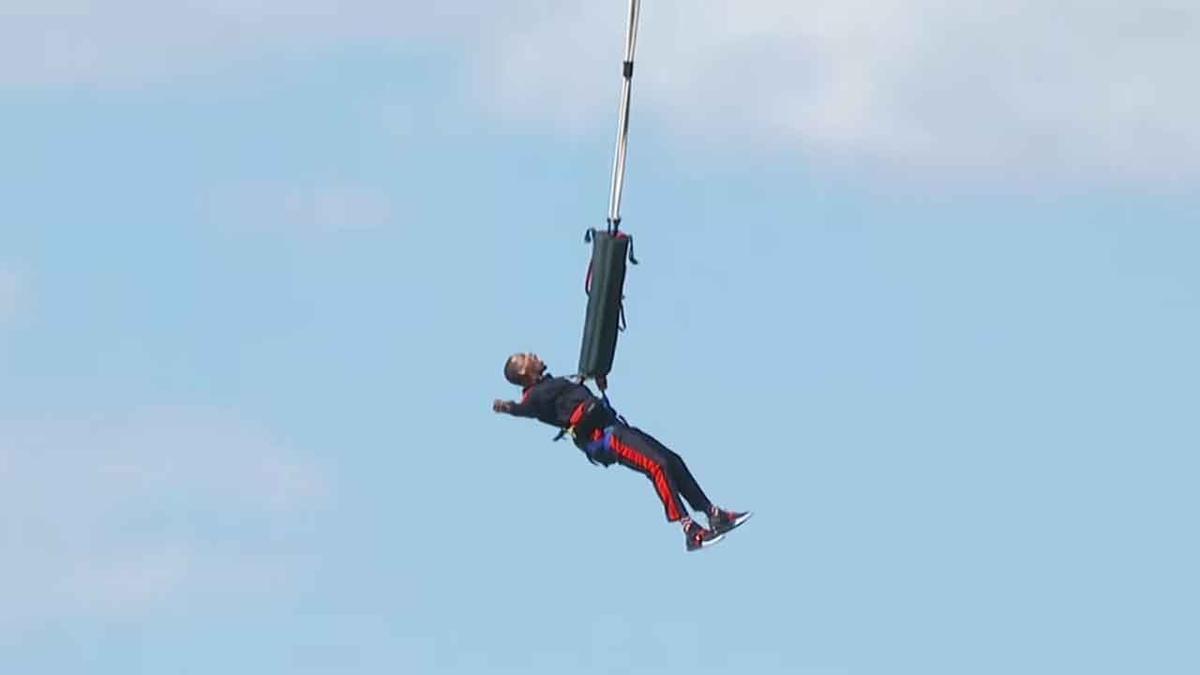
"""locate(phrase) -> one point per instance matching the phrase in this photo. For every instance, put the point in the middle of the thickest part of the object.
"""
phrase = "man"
(606, 439)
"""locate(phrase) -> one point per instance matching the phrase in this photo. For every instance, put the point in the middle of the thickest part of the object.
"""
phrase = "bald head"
(523, 369)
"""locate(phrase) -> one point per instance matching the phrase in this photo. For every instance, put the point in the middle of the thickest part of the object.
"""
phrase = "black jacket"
(554, 400)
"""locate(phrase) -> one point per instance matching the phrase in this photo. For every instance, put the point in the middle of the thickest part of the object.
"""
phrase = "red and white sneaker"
(699, 537)
(723, 521)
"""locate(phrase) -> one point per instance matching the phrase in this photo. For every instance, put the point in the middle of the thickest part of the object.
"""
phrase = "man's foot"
(724, 521)
(699, 537)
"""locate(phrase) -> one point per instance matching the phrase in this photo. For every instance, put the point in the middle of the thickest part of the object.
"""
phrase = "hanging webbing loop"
(588, 236)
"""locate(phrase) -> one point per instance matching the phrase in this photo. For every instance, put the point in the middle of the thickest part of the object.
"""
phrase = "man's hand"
(501, 406)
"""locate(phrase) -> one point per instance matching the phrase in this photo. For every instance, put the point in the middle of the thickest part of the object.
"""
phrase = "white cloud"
(1094, 90)
(162, 508)
(1091, 90)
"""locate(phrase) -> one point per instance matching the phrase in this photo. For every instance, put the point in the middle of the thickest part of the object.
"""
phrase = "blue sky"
(260, 266)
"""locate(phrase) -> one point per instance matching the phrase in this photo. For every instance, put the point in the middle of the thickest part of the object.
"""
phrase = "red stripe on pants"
(655, 470)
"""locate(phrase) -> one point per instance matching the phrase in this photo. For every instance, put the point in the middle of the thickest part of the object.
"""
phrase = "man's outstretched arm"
(522, 409)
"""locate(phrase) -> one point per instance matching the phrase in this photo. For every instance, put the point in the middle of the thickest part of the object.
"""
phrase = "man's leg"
(720, 521)
(641, 453)
(679, 474)
(636, 451)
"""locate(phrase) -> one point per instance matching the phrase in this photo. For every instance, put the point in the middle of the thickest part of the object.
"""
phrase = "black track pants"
(643, 453)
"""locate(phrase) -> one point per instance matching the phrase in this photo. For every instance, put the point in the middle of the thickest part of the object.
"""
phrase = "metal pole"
(618, 173)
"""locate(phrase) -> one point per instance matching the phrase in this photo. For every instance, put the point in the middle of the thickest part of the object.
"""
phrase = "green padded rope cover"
(606, 279)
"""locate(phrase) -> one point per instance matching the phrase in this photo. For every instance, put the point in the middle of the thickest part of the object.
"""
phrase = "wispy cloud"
(125, 515)
(118, 43)
(1092, 90)
(271, 207)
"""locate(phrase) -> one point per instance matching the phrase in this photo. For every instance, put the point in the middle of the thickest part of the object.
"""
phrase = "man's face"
(530, 365)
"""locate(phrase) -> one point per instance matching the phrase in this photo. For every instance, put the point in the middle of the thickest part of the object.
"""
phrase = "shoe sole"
(708, 543)
(737, 522)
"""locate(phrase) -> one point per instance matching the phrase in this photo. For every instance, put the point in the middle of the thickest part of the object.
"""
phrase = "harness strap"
(608, 404)
(576, 417)
(581, 411)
